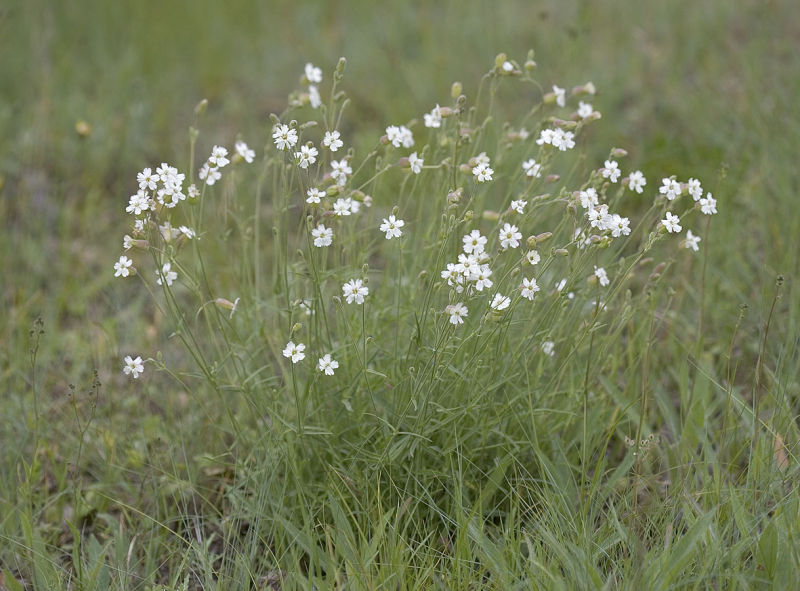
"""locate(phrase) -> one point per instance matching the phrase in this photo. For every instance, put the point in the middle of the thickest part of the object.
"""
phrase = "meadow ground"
(657, 448)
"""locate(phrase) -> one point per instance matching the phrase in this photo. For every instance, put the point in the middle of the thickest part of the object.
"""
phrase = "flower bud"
(469, 215)
(587, 88)
(200, 107)
(561, 252)
(455, 90)
(619, 153)
(227, 305)
(552, 178)
(364, 270)
(491, 216)
(530, 65)
(446, 111)
(499, 60)
(298, 326)
(455, 196)
(82, 128)
(543, 237)
(340, 65)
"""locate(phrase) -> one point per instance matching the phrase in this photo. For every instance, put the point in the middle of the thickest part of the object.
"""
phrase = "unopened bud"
(543, 237)
(465, 168)
(469, 215)
(274, 118)
(455, 90)
(552, 178)
(530, 65)
(499, 60)
(423, 275)
(659, 267)
(200, 107)
(447, 111)
(82, 128)
(619, 152)
(561, 252)
(340, 65)
(364, 269)
(587, 88)
(491, 216)
(227, 304)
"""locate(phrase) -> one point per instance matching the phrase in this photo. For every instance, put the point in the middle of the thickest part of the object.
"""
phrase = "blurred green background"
(705, 89)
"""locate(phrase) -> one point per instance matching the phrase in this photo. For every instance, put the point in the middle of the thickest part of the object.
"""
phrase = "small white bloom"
(392, 227)
(193, 191)
(415, 163)
(620, 226)
(188, 232)
(500, 302)
(138, 203)
(342, 206)
(133, 366)
(529, 288)
(209, 174)
(481, 158)
(332, 140)
(588, 198)
(474, 242)
(584, 110)
(314, 99)
(482, 173)
(457, 313)
(532, 256)
(510, 236)
(294, 352)
(400, 136)
(306, 156)
(454, 276)
(670, 188)
(694, 189)
(340, 171)
(548, 348)
(481, 278)
(218, 158)
(561, 284)
(245, 152)
(123, 267)
(166, 274)
(546, 136)
(127, 242)
(692, 241)
(434, 118)
(518, 205)
(147, 180)
(636, 181)
(671, 223)
(563, 140)
(468, 264)
(326, 364)
(314, 196)
(611, 171)
(313, 74)
(508, 66)
(355, 291)
(284, 137)
(561, 95)
(322, 236)
(532, 169)
(601, 275)
(708, 205)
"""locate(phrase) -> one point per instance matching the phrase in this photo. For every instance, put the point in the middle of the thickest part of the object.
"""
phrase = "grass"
(496, 470)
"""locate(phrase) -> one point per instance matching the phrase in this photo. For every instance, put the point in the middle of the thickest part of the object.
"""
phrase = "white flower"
(415, 163)
(548, 348)
(467, 264)
(518, 205)
(481, 158)
(510, 236)
(193, 191)
(474, 243)
(127, 242)
(245, 152)
(560, 95)
(561, 284)
(218, 158)
(457, 313)
(166, 274)
(508, 66)
(529, 288)
(601, 275)
(322, 236)
(611, 171)
(532, 169)
(482, 173)
(671, 223)
(332, 141)
(138, 203)
(454, 276)
(138, 226)
(313, 97)
(340, 171)
(209, 174)
(546, 136)
(294, 352)
(563, 140)
(355, 205)
(523, 133)
(670, 188)
(314, 196)
(313, 74)
(636, 181)
(708, 205)
(400, 136)
(326, 364)
(584, 110)
(692, 241)
(392, 227)
(284, 137)
(434, 118)
(188, 232)
(306, 156)
(133, 366)
(532, 256)
(481, 277)
(342, 206)
(169, 174)
(147, 180)
(694, 188)
(500, 302)
(123, 267)
(620, 226)
(355, 291)
(588, 198)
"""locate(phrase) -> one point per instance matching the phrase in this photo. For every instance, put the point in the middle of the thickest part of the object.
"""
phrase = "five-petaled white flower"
(244, 151)
(340, 171)
(294, 352)
(188, 232)
(166, 274)
(529, 288)
(561, 95)
(342, 206)
(209, 173)
(434, 118)
(284, 137)
(692, 241)
(611, 170)
(313, 73)
(533, 257)
(670, 188)
(708, 205)
(532, 168)
(518, 205)
(500, 302)
(326, 364)
(672, 223)
(457, 313)
(480, 277)
(510, 236)
(147, 180)
(636, 181)
(313, 97)
(314, 195)
(482, 172)
(355, 291)
(138, 203)
(123, 267)
(415, 162)
(134, 366)
(588, 198)
(695, 189)
(601, 275)
(584, 110)
(548, 348)
(306, 156)
(332, 141)
(322, 236)
(474, 243)
(219, 157)
(392, 227)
